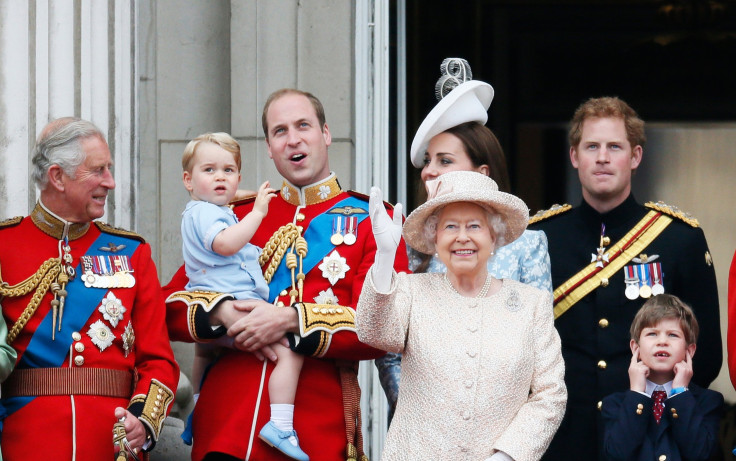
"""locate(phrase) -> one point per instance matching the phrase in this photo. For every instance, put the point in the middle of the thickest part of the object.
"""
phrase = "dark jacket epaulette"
(108, 229)
(555, 210)
(367, 198)
(10, 222)
(674, 212)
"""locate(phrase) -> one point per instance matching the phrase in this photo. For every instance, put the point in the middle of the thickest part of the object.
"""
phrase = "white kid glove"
(387, 233)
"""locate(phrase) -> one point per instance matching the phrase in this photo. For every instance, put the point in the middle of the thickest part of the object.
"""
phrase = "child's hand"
(265, 194)
(683, 371)
(638, 372)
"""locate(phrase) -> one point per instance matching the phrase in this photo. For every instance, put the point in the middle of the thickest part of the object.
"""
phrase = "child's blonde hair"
(661, 307)
(222, 139)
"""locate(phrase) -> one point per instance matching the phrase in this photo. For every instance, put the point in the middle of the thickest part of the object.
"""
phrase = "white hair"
(60, 144)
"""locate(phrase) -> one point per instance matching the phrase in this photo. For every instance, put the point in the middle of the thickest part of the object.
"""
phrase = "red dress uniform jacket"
(224, 412)
(134, 342)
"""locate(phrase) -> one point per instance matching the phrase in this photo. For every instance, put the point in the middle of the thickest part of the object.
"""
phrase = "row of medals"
(344, 230)
(112, 279)
(634, 290)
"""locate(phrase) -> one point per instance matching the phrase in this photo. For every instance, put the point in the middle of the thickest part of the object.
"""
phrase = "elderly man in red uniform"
(317, 247)
(83, 304)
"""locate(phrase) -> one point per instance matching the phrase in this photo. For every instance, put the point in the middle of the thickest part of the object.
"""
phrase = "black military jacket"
(595, 331)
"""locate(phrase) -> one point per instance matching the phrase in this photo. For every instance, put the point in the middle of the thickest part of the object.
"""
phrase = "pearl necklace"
(483, 290)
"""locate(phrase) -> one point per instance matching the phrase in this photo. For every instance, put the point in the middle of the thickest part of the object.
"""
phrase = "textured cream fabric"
(478, 375)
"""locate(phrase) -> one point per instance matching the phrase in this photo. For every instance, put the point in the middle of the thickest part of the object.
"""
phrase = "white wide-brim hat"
(465, 186)
(468, 102)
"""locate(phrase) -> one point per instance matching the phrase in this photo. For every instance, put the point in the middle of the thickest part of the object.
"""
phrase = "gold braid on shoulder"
(287, 237)
(40, 281)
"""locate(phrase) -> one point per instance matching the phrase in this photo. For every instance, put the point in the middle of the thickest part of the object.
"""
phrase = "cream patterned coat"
(478, 375)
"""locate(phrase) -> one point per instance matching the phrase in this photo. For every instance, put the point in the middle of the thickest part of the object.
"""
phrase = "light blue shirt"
(239, 274)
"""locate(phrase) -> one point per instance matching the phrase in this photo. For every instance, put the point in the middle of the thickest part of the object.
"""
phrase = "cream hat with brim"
(465, 186)
(468, 102)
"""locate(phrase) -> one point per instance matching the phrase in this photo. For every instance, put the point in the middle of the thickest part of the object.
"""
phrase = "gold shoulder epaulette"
(556, 209)
(108, 229)
(10, 222)
(674, 212)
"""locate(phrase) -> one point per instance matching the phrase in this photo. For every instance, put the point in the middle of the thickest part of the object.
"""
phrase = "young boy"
(685, 425)
(218, 257)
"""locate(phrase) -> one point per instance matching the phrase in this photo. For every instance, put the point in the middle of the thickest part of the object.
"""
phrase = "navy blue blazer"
(688, 429)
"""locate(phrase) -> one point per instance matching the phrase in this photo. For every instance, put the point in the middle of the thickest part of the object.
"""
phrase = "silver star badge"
(334, 267)
(326, 297)
(101, 335)
(112, 309)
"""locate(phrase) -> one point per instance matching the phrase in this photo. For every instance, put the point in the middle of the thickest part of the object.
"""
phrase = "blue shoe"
(279, 439)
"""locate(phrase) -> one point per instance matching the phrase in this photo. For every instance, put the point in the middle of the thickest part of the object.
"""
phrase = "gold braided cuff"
(329, 318)
(207, 300)
(156, 406)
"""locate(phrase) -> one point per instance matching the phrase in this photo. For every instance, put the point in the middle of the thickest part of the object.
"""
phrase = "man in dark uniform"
(610, 254)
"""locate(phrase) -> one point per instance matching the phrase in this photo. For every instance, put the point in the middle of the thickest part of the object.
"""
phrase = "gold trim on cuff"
(156, 407)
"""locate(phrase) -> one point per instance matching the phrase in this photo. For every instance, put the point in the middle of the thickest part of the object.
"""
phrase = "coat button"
(76, 336)
(662, 457)
(604, 282)
(602, 364)
(79, 360)
(79, 347)
(603, 323)
(600, 405)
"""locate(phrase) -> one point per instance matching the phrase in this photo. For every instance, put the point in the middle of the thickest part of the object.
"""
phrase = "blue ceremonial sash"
(81, 303)
(319, 246)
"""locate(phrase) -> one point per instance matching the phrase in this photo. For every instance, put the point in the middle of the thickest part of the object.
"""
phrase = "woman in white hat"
(482, 371)
(453, 137)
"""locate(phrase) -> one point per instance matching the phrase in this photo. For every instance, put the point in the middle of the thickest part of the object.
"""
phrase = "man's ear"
(636, 154)
(56, 177)
(574, 157)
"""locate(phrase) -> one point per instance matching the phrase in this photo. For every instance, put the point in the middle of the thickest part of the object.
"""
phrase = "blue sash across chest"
(81, 303)
(317, 236)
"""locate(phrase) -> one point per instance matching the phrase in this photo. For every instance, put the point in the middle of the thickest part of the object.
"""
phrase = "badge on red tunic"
(101, 335)
(334, 267)
(128, 338)
(112, 309)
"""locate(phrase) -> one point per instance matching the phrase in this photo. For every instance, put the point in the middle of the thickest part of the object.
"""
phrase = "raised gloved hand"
(387, 232)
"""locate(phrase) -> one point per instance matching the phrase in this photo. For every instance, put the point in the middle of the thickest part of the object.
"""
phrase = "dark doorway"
(671, 60)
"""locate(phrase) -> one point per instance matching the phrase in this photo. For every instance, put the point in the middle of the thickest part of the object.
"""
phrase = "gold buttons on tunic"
(602, 364)
(79, 360)
(600, 405)
(76, 336)
(662, 457)
(79, 347)
(300, 217)
(604, 282)
(603, 323)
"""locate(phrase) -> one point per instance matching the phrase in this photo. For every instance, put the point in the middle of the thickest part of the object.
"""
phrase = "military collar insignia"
(314, 193)
(55, 226)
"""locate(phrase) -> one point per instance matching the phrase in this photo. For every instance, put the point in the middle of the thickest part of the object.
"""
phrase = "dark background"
(670, 60)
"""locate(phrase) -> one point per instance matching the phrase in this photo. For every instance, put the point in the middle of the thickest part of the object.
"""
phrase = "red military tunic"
(133, 342)
(224, 413)
(731, 334)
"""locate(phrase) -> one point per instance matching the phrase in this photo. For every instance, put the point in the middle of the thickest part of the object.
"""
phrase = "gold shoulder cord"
(287, 237)
(41, 281)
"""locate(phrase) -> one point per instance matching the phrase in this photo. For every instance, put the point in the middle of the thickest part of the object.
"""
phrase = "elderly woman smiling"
(482, 370)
